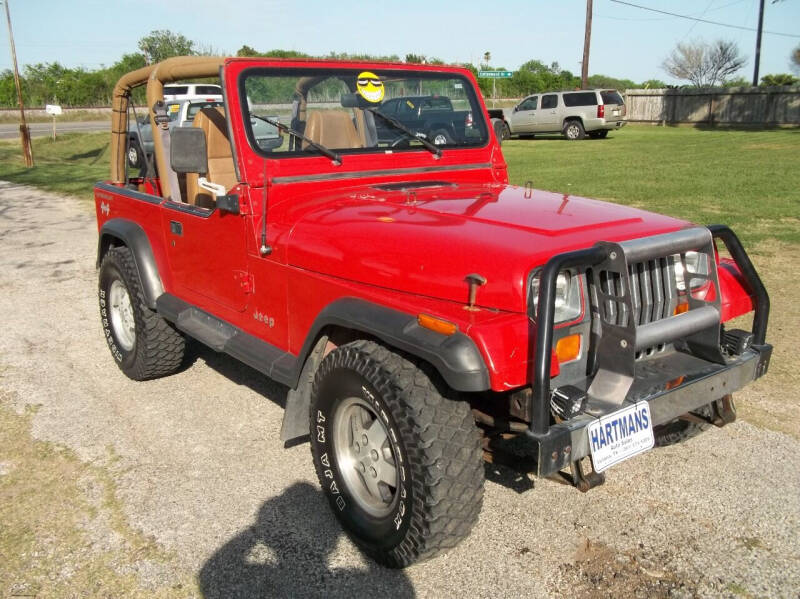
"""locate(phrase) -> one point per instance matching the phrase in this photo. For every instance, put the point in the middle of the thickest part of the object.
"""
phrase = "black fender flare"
(133, 236)
(455, 357)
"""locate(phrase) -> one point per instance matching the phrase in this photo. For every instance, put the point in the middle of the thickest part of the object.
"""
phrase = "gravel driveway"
(196, 467)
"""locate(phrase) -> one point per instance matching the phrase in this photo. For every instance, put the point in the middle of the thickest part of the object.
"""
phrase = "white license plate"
(620, 435)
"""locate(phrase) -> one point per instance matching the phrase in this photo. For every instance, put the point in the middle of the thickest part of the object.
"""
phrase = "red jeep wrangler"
(424, 313)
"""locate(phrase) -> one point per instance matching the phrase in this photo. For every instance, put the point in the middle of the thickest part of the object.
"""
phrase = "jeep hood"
(426, 240)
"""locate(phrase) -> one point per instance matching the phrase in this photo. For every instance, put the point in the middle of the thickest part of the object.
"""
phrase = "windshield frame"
(472, 97)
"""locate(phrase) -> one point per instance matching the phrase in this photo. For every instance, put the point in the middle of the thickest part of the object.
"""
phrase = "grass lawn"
(749, 180)
(72, 164)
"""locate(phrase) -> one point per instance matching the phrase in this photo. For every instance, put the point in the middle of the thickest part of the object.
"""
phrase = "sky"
(627, 42)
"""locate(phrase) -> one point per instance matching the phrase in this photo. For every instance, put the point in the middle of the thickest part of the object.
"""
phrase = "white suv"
(573, 114)
(193, 91)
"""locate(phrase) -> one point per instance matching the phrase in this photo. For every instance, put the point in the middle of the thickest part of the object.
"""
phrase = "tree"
(246, 51)
(606, 81)
(796, 58)
(653, 84)
(161, 44)
(704, 65)
(778, 79)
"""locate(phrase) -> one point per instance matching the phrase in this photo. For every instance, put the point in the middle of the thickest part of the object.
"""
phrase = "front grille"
(653, 296)
(653, 293)
(653, 290)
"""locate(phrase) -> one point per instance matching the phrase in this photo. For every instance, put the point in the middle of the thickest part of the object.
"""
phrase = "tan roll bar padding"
(155, 76)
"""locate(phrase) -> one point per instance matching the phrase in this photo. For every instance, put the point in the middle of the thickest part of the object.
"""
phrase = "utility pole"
(758, 41)
(587, 38)
(24, 133)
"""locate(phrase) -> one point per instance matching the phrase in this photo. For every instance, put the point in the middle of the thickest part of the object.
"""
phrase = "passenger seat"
(332, 129)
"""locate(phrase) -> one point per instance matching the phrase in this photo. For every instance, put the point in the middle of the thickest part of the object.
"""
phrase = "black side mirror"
(229, 203)
(188, 153)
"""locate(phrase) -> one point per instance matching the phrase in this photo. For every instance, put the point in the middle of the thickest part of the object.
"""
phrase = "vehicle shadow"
(287, 553)
(96, 154)
(236, 371)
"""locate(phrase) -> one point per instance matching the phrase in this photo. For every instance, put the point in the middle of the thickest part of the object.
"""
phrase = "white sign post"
(54, 110)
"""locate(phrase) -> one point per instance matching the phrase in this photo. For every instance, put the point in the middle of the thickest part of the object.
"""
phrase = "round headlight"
(696, 263)
(567, 300)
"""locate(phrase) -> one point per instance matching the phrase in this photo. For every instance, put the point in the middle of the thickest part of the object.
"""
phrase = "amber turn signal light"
(436, 324)
(681, 308)
(568, 348)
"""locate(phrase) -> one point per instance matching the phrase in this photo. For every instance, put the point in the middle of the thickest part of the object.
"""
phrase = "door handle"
(175, 227)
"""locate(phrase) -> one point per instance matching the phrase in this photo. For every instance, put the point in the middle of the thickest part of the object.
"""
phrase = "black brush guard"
(705, 374)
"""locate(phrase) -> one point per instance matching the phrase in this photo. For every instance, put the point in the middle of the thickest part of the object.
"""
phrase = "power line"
(672, 14)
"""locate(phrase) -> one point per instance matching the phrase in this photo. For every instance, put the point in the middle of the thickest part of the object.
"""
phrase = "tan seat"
(220, 158)
(332, 129)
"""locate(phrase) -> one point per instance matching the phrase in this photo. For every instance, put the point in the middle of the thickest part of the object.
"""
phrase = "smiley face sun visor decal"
(370, 87)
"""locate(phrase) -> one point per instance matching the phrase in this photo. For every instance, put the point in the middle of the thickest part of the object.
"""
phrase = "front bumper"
(700, 383)
(673, 384)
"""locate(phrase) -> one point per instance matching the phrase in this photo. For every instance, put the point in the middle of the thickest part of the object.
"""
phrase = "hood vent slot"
(406, 185)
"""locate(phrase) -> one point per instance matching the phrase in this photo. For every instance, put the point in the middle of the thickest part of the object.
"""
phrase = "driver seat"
(220, 158)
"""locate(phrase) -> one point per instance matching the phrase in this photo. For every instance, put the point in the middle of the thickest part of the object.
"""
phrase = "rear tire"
(144, 345)
(573, 130)
(678, 431)
(401, 465)
(441, 137)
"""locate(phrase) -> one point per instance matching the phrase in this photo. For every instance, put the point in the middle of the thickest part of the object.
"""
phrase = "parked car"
(432, 116)
(573, 114)
(422, 312)
(140, 134)
(193, 91)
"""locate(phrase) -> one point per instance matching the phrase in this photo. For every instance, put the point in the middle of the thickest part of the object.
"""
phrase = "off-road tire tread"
(442, 444)
(159, 346)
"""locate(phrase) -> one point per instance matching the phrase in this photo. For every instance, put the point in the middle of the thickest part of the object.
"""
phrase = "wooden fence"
(760, 106)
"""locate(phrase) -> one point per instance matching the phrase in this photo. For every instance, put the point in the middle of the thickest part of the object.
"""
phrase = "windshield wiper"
(398, 125)
(337, 159)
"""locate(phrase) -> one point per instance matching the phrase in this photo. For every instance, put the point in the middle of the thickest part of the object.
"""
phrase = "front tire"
(401, 465)
(144, 345)
(573, 130)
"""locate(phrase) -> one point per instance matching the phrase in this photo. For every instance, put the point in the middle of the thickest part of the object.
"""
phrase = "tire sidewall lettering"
(390, 530)
(107, 276)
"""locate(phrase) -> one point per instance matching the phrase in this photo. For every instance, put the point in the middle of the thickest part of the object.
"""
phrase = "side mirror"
(516, 108)
(187, 152)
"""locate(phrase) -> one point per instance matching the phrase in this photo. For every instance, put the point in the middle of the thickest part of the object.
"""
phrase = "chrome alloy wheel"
(121, 313)
(365, 456)
(573, 131)
(440, 139)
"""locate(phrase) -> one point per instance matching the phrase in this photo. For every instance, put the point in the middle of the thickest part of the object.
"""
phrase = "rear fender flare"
(120, 231)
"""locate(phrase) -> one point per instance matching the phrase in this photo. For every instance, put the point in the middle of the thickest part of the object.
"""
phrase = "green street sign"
(495, 74)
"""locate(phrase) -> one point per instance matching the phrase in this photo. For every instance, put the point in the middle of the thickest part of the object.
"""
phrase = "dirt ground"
(180, 487)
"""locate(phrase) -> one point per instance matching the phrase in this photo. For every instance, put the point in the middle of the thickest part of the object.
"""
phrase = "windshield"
(336, 107)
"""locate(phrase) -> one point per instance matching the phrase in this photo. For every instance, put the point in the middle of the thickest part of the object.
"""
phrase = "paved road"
(11, 131)
(196, 463)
